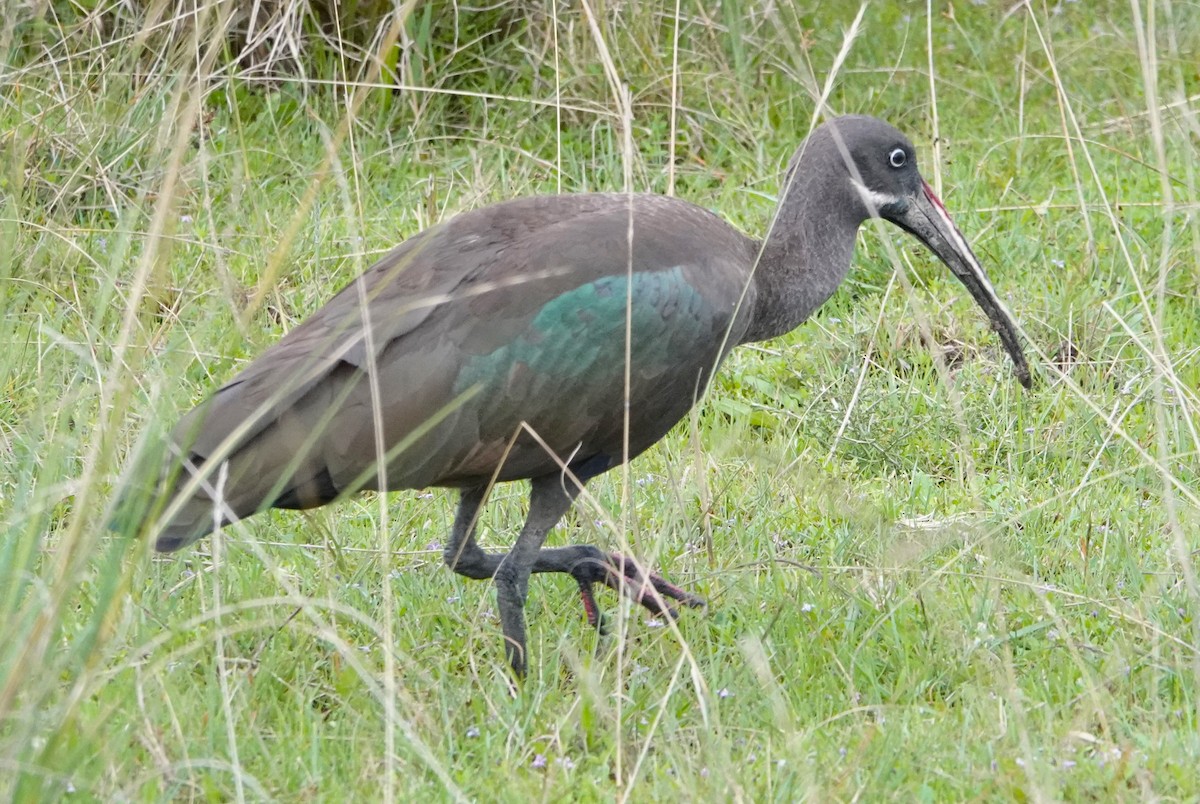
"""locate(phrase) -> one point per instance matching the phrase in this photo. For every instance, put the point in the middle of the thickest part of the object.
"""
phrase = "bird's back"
(513, 313)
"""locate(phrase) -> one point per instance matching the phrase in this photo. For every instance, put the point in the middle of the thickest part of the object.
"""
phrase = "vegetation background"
(924, 582)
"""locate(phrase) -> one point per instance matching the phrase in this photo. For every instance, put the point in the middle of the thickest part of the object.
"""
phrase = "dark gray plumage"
(492, 347)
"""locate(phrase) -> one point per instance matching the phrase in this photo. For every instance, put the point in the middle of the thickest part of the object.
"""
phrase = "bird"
(545, 338)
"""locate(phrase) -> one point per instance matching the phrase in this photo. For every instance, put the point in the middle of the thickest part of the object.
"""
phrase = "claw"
(647, 589)
(590, 610)
(624, 575)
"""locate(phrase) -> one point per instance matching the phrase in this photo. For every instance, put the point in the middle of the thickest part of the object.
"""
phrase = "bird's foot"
(647, 589)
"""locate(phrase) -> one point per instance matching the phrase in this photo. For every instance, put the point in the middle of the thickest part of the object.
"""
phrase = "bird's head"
(880, 179)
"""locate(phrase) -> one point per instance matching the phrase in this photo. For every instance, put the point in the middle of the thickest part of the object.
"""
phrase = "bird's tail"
(171, 496)
(178, 496)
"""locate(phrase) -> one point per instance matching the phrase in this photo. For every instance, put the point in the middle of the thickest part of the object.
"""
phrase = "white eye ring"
(897, 158)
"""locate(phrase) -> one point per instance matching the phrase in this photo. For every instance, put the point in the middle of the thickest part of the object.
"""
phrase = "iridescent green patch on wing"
(576, 342)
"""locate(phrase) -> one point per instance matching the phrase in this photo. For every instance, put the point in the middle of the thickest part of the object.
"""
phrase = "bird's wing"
(452, 308)
(396, 294)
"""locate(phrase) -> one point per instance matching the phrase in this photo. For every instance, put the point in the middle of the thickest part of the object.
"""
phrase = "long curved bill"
(926, 218)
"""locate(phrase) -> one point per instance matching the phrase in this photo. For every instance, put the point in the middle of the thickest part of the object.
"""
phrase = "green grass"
(922, 585)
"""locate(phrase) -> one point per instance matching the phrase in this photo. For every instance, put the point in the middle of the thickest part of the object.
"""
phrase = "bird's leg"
(588, 565)
(462, 553)
(549, 498)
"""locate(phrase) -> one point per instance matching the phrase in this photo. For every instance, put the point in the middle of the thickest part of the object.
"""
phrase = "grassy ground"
(923, 585)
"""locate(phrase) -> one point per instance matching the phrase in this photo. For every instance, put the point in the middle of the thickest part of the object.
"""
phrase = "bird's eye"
(897, 158)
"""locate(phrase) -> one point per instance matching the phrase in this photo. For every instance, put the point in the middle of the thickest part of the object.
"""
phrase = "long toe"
(646, 588)
(595, 617)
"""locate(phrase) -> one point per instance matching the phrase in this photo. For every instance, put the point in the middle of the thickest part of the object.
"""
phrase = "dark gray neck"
(807, 251)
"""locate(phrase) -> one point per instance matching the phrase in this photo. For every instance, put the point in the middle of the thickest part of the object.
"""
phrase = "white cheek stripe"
(874, 199)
